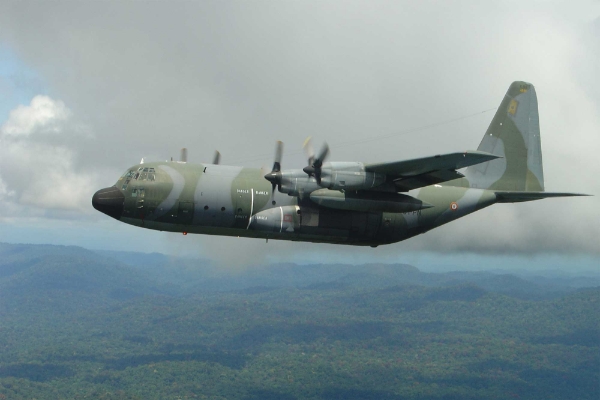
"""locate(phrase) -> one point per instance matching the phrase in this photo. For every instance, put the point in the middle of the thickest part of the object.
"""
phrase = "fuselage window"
(134, 193)
(141, 192)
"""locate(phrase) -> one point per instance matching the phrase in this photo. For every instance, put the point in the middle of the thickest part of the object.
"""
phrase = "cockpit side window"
(127, 174)
(137, 174)
(127, 177)
(151, 174)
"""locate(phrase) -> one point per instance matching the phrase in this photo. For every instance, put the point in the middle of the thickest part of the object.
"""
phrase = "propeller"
(275, 175)
(217, 158)
(315, 164)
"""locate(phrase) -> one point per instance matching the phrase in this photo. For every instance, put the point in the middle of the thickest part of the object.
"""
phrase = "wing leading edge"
(412, 174)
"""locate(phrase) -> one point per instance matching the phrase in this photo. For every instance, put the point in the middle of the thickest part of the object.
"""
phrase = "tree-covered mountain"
(82, 324)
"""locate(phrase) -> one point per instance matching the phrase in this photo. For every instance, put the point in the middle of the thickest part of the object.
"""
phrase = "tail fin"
(514, 135)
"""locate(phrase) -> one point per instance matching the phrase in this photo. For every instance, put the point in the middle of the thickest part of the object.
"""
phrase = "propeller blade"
(275, 175)
(278, 155)
(322, 155)
(309, 150)
(217, 158)
(315, 164)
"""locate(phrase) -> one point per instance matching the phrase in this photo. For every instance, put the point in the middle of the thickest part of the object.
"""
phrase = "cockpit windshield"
(139, 174)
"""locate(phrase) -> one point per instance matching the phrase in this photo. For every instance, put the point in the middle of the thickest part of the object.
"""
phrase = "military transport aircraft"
(339, 202)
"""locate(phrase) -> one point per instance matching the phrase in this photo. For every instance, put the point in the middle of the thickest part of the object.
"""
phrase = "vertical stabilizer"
(514, 135)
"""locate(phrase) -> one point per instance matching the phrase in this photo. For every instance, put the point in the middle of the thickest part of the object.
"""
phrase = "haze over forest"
(116, 325)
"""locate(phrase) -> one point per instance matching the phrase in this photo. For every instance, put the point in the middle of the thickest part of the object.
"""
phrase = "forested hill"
(184, 276)
(82, 324)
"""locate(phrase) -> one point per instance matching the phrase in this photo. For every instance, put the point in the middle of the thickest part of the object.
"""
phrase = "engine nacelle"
(349, 176)
(335, 176)
(279, 219)
(297, 183)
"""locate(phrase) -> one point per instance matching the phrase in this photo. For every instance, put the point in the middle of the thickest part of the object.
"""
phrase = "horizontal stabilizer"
(517, 197)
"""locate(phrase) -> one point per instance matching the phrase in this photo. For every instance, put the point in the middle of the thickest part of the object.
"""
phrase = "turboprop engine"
(349, 176)
(334, 176)
(319, 175)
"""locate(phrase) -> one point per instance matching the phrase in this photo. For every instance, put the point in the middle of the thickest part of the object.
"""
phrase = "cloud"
(39, 161)
(43, 115)
(236, 76)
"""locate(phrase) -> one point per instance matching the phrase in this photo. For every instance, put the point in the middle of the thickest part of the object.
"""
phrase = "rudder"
(514, 135)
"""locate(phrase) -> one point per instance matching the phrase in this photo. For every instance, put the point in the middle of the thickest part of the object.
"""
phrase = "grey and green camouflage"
(340, 202)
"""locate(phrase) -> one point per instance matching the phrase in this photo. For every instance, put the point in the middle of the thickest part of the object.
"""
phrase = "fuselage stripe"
(281, 226)
(251, 207)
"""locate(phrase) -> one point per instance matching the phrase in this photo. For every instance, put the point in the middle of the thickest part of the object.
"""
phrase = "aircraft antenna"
(183, 157)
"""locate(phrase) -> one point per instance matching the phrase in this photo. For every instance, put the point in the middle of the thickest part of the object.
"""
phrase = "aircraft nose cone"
(109, 201)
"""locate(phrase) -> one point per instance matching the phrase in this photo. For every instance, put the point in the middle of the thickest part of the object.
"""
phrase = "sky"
(89, 88)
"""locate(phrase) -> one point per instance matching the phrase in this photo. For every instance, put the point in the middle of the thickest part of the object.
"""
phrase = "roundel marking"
(454, 206)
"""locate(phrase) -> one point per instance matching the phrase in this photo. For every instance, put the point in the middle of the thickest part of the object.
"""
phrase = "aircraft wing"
(419, 172)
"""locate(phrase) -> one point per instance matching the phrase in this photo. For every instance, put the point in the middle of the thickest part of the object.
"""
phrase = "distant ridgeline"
(27, 270)
(76, 323)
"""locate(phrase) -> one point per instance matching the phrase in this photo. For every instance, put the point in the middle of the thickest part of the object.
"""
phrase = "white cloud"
(4, 192)
(43, 115)
(41, 174)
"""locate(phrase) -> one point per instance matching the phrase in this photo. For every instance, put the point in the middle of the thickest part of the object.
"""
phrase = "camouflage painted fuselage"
(235, 201)
(354, 203)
